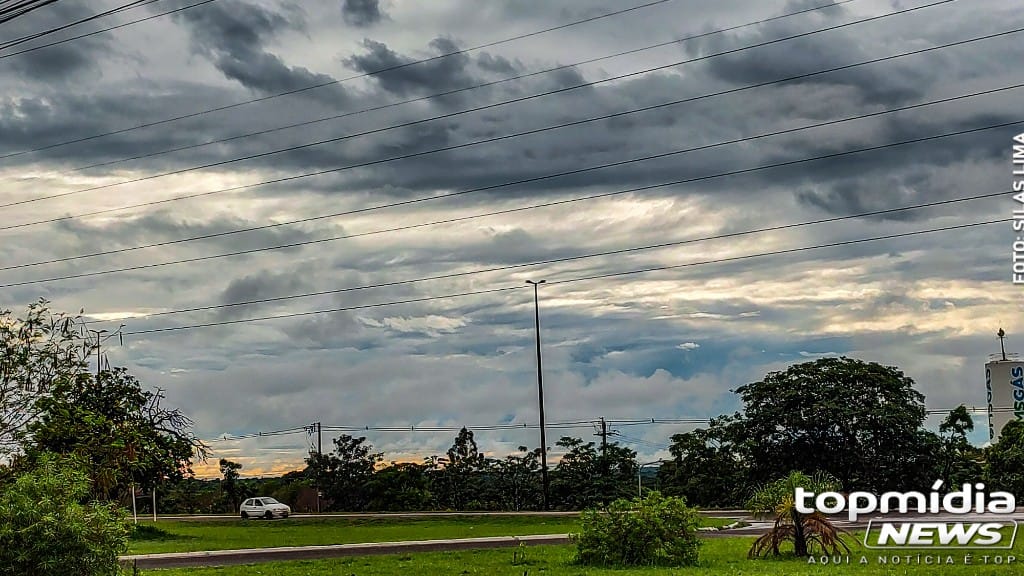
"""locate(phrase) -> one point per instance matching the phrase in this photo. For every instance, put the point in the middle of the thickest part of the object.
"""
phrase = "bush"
(653, 531)
(45, 530)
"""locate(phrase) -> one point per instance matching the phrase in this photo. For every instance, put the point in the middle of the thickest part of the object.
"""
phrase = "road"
(214, 518)
(252, 556)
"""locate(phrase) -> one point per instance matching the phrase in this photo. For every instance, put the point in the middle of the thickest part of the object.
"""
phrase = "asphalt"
(258, 555)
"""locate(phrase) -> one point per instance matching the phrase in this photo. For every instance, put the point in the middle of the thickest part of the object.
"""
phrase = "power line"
(94, 33)
(495, 105)
(569, 424)
(479, 189)
(571, 280)
(21, 7)
(688, 180)
(457, 90)
(568, 258)
(455, 219)
(333, 82)
(116, 10)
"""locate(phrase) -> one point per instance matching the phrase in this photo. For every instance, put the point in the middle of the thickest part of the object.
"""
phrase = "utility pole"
(540, 395)
(98, 343)
(319, 453)
(604, 438)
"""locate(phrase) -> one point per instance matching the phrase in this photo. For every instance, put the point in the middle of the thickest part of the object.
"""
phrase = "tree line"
(860, 422)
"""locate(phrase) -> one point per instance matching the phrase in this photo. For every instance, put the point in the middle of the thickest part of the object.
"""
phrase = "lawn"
(719, 556)
(187, 536)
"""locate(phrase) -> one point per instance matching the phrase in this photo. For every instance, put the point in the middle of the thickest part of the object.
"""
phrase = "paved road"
(377, 515)
(252, 556)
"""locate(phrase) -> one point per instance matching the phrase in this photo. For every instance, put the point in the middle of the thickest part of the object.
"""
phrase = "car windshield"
(270, 501)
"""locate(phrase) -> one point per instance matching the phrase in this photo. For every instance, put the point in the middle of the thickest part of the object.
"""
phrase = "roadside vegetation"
(859, 423)
(718, 557)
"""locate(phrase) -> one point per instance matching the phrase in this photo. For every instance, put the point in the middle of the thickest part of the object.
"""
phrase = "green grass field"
(719, 556)
(187, 536)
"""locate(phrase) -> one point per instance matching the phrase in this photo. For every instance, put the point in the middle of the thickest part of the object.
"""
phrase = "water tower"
(1004, 384)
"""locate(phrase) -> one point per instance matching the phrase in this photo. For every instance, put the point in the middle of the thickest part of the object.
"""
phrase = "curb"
(254, 555)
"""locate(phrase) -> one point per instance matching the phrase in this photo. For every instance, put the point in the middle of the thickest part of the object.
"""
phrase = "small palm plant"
(807, 532)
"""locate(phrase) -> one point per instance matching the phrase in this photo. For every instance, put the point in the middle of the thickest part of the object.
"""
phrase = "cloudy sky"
(666, 344)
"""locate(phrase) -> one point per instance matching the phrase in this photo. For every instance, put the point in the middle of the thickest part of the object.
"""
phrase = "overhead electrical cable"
(333, 82)
(452, 194)
(684, 181)
(568, 258)
(451, 92)
(499, 104)
(19, 8)
(567, 281)
(94, 33)
(461, 218)
(122, 8)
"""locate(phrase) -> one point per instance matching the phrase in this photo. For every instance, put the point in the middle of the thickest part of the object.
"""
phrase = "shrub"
(45, 530)
(653, 531)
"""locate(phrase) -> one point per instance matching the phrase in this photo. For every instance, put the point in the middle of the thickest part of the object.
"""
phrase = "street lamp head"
(535, 283)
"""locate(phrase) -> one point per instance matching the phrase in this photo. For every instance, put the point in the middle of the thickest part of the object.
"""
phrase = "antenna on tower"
(1002, 336)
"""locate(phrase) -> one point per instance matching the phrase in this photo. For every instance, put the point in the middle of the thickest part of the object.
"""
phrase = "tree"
(804, 531)
(517, 480)
(230, 473)
(344, 475)
(459, 479)
(37, 353)
(708, 466)
(46, 530)
(400, 487)
(858, 421)
(1004, 468)
(960, 460)
(122, 431)
(584, 478)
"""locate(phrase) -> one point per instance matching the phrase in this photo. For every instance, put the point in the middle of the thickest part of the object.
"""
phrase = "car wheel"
(268, 515)
(245, 516)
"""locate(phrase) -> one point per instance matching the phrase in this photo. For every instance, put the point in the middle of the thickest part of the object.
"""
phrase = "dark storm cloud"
(429, 77)
(233, 34)
(885, 83)
(361, 13)
(63, 63)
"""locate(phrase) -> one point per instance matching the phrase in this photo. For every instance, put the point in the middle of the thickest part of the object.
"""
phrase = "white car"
(264, 507)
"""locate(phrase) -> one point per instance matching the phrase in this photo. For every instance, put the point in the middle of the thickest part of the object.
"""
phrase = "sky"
(388, 207)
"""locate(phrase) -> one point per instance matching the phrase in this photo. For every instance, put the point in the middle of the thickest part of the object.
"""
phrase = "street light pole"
(540, 395)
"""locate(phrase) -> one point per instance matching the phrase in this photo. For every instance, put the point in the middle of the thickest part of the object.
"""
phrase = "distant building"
(1004, 385)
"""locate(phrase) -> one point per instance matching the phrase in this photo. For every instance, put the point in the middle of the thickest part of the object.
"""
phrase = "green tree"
(37, 353)
(230, 473)
(400, 487)
(1004, 469)
(960, 460)
(585, 478)
(345, 473)
(858, 421)
(517, 481)
(806, 532)
(45, 530)
(124, 432)
(459, 480)
(708, 465)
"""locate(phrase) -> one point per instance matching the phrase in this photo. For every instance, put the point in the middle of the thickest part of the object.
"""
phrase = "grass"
(189, 536)
(719, 556)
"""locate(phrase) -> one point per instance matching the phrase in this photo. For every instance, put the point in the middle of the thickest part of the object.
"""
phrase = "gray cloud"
(928, 304)
(362, 13)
